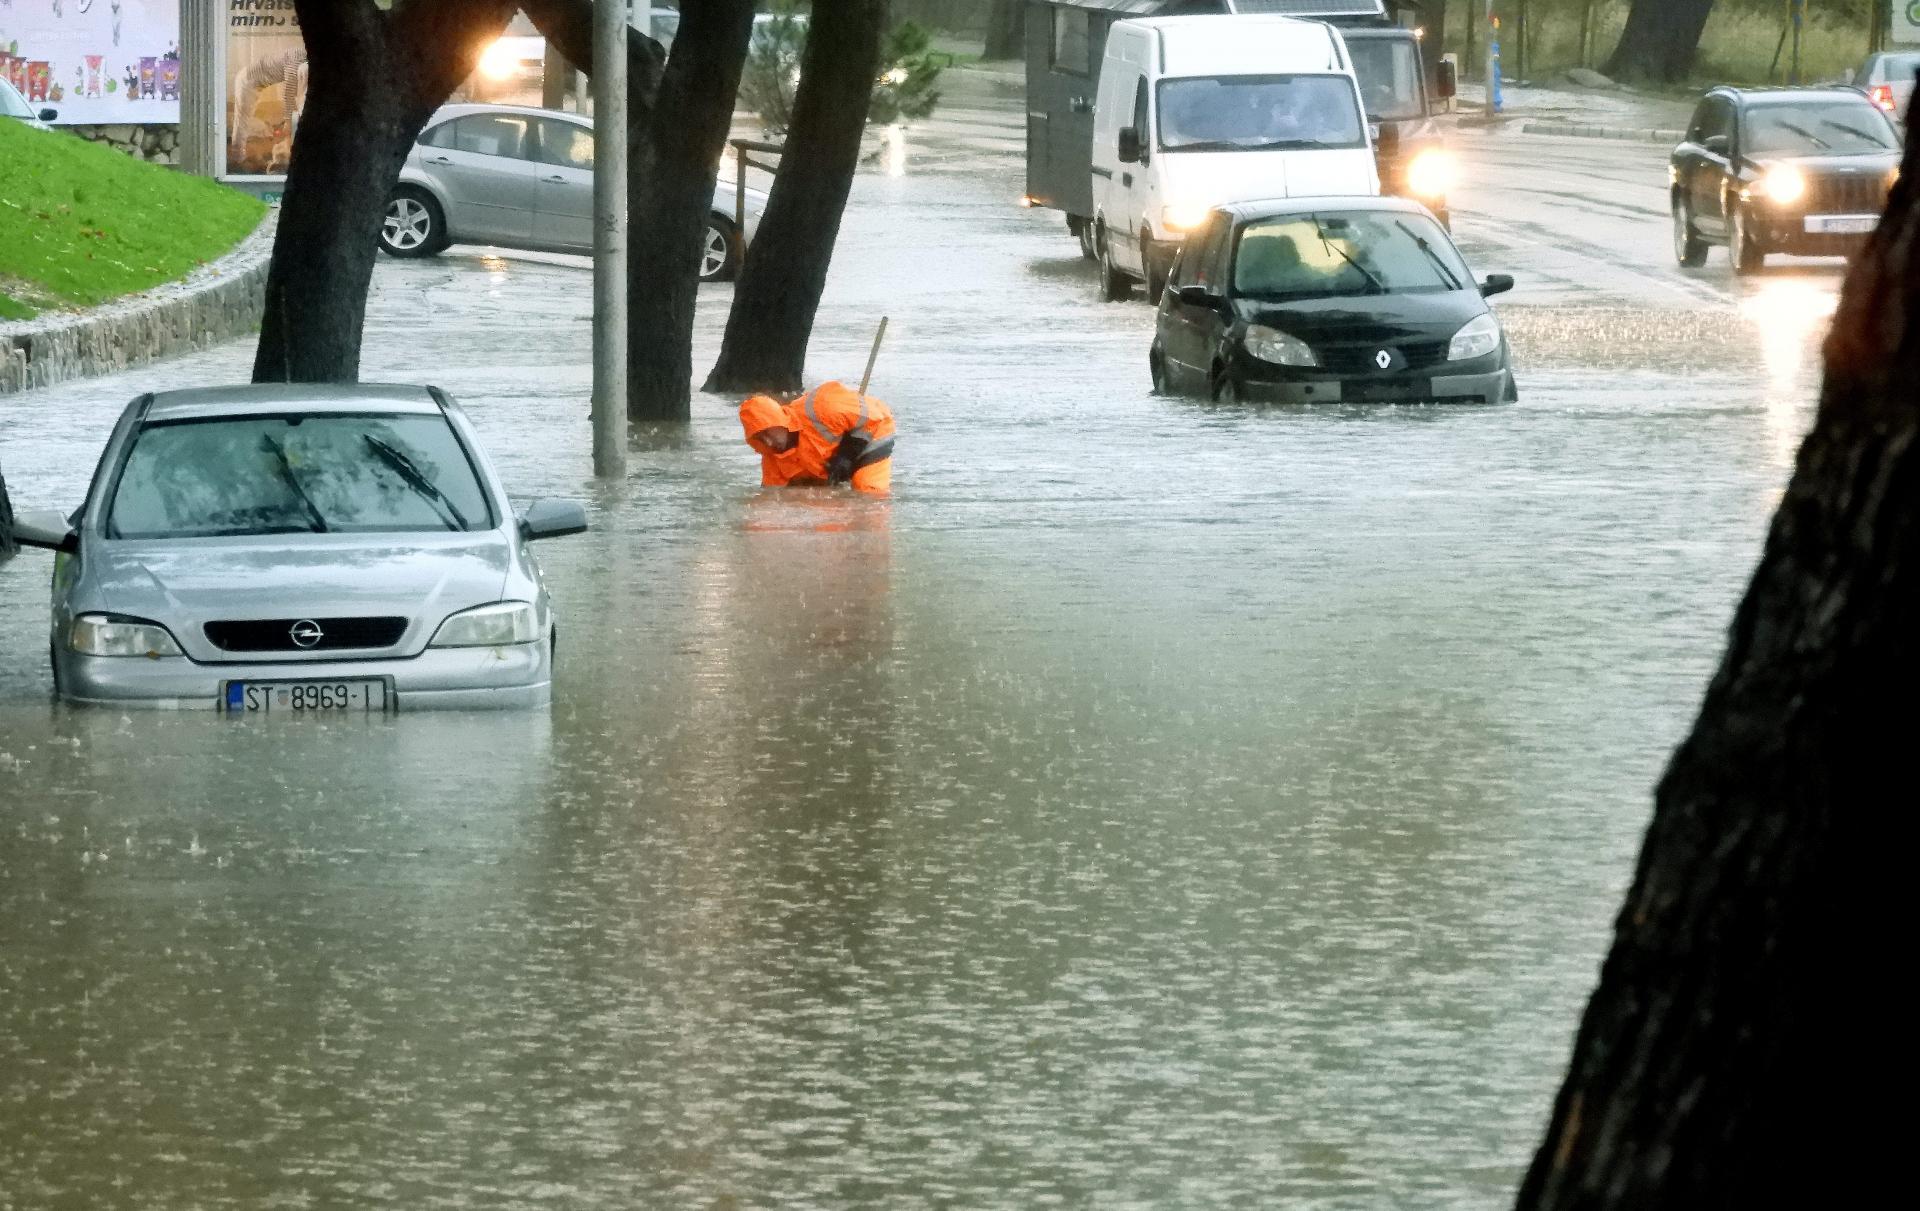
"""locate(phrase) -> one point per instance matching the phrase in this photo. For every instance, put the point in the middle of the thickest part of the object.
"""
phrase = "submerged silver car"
(518, 177)
(296, 549)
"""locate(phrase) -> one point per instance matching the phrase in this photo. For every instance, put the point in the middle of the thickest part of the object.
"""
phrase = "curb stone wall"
(156, 144)
(217, 302)
(1585, 131)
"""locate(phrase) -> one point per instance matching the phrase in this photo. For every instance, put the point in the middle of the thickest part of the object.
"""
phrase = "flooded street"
(1154, 804)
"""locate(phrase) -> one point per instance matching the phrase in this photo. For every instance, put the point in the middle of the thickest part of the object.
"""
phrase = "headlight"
(1183, 216)
(112, 635)
(1783, 184)
(490, 626)
(1273, 345)
(1432, 173)
(1477, 338)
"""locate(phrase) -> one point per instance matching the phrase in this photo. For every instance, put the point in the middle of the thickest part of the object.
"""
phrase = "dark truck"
(1400, 86)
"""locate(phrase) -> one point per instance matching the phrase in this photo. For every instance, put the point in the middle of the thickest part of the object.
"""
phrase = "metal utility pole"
(610, 238)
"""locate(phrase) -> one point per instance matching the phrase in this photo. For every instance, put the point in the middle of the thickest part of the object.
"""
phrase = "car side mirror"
(1719, 145)
(1129, 145)
(47, 529)
(48, 115)
(1496, 283)
(1198, 296)
(553, 519)
(1446, 80)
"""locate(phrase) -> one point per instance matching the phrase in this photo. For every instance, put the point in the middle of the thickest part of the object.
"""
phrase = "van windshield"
(1388, 70)
(1256, 113)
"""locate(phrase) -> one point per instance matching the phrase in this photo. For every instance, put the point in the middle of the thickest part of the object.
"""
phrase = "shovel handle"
(873, 357)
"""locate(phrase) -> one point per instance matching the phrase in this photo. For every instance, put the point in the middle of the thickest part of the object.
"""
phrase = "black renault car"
(1797, 170)
(1328, 300)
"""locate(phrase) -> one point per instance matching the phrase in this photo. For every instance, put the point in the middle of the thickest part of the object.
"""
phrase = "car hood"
(1861, 163)
(187, 583)
(1217, 178)
(1366, 319)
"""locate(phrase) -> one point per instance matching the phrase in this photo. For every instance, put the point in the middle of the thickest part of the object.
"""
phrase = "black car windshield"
(12, 104)
(1816, 128)
(297, 474)
(1389, 73)
(1345, 253)
(1249, 113)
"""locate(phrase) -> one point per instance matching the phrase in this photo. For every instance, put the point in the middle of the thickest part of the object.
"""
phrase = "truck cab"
(1401, 102)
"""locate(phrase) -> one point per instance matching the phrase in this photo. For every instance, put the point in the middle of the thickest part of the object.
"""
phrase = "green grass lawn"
(81, 223)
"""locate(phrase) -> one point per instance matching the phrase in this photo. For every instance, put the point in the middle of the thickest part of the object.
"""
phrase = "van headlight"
(1432, 173)
(115, 635)
(490, 626)
(1477, 338)
(1273, 345)
(1183, 216)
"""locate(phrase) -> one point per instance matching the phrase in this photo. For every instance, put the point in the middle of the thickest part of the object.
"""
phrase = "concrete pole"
(203, 108)
(610, 238)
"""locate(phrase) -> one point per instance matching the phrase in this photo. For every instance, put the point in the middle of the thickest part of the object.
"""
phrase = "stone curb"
(216, 302)
(1581, 130)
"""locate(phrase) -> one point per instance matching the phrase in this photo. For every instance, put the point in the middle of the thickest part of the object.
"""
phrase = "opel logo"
(1383, 359)
(305, 633)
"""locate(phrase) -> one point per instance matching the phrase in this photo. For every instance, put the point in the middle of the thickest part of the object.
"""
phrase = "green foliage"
(909, 69)
(81, 223)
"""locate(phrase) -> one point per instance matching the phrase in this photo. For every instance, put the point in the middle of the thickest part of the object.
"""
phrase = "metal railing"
(741, 163)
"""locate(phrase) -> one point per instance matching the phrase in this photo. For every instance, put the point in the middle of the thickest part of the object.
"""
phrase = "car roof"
(271, 398)
(1271, 207)
(1768, 96)
(448, 112)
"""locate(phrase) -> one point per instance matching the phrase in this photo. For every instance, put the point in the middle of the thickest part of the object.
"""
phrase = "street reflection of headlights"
(1477, 338)
(1783, 184)
(1273, 345)
(1431, 174)
(490, 626)
(112, 635)
(1183, 216)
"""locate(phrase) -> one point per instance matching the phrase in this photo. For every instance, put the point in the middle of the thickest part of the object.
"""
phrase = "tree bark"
(1006, 30)
(1737, 1051)
(7, 544)
(375, 78)
(765, 347)
(1659, 40)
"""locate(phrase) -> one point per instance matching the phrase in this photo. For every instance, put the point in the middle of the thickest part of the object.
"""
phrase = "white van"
(1197, 112)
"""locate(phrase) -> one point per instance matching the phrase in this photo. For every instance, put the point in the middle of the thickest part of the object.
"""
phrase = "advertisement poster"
(95, 61)
(1905, 16)
(266, 85)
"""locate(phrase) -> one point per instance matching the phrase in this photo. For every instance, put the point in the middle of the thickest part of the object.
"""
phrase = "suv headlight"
(1477, 337)
(1783, 184)
(114, 635)
(1273, 345)
(490, 626)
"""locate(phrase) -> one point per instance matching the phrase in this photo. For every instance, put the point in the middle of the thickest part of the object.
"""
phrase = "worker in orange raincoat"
(831, 435)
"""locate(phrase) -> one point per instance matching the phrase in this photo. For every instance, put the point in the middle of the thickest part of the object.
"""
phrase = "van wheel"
(1084, 232)
(1156, 273)
(1114, 286)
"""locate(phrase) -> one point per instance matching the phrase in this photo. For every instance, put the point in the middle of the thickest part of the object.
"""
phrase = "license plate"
(1841, 224)
(351, 694)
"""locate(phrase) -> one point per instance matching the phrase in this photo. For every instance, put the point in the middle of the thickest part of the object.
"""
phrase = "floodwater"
(1153, 805)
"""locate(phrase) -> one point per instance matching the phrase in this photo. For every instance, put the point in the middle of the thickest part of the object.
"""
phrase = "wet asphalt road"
(1153, 805)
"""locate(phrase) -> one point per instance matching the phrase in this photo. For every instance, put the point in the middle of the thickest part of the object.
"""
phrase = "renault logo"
(1383, 359)
(305, 633)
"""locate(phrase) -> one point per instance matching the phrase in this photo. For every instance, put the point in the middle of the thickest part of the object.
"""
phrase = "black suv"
(1796, 170)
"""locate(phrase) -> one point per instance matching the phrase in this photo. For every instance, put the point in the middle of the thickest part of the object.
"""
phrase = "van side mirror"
(1496, 283)
(1198, 296)
(47, 529)
(553, 519)
(1129, 145)
(1446, 80)
(1719, 145)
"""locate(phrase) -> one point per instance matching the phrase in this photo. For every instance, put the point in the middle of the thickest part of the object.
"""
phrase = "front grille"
(1855, 193)
(1358, 359)
(276, 634)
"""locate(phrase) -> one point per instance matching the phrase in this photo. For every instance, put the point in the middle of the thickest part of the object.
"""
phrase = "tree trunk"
(7, 544)
(1007, 30)
(1737, 1051)
(374, 79)
(1659, 41)
(765, 347)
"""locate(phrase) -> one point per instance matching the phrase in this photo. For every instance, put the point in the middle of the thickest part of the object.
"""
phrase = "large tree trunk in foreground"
(375, 77)
(1006, 30)
(765, 348)
(7, 545)
(1740, 1046)
(1659, 41)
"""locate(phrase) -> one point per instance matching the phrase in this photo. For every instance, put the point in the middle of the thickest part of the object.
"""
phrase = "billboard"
(265, 85)
(95, 61)
(1906, 23)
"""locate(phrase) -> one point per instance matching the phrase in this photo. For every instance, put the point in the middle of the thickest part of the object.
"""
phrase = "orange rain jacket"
(821, 419)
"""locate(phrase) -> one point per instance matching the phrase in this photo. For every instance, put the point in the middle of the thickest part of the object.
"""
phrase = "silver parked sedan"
(517, 177)
(295, 549)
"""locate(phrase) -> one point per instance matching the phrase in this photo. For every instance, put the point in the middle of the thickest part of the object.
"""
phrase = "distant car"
(299, 549)
(1797, 170)
(13, 105)
(1328, 300)
(520, 177)
(1888, 78)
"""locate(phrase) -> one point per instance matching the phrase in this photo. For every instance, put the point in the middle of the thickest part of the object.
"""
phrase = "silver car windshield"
(1363, 252)
(296, 474)
(12, 104)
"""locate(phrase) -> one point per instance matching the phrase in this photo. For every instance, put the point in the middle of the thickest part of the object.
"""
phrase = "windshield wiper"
(1374, 284)
(1862, 135)
(415, 479)
(1439, 265)
(1804, 133)
(316, 522)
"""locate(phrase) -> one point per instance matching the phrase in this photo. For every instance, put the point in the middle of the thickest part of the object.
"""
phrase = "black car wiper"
(1804, 133)
(1440, 266)
(1374, 284)
(316, 522)
(1864, 136)
(422, 486)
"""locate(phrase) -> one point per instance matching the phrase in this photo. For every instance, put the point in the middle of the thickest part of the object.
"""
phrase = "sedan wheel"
(412, 226)
(719, 254)
(1688, 249)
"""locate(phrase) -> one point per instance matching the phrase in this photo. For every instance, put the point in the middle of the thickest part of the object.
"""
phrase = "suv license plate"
(300, 697)
(1844, 224)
